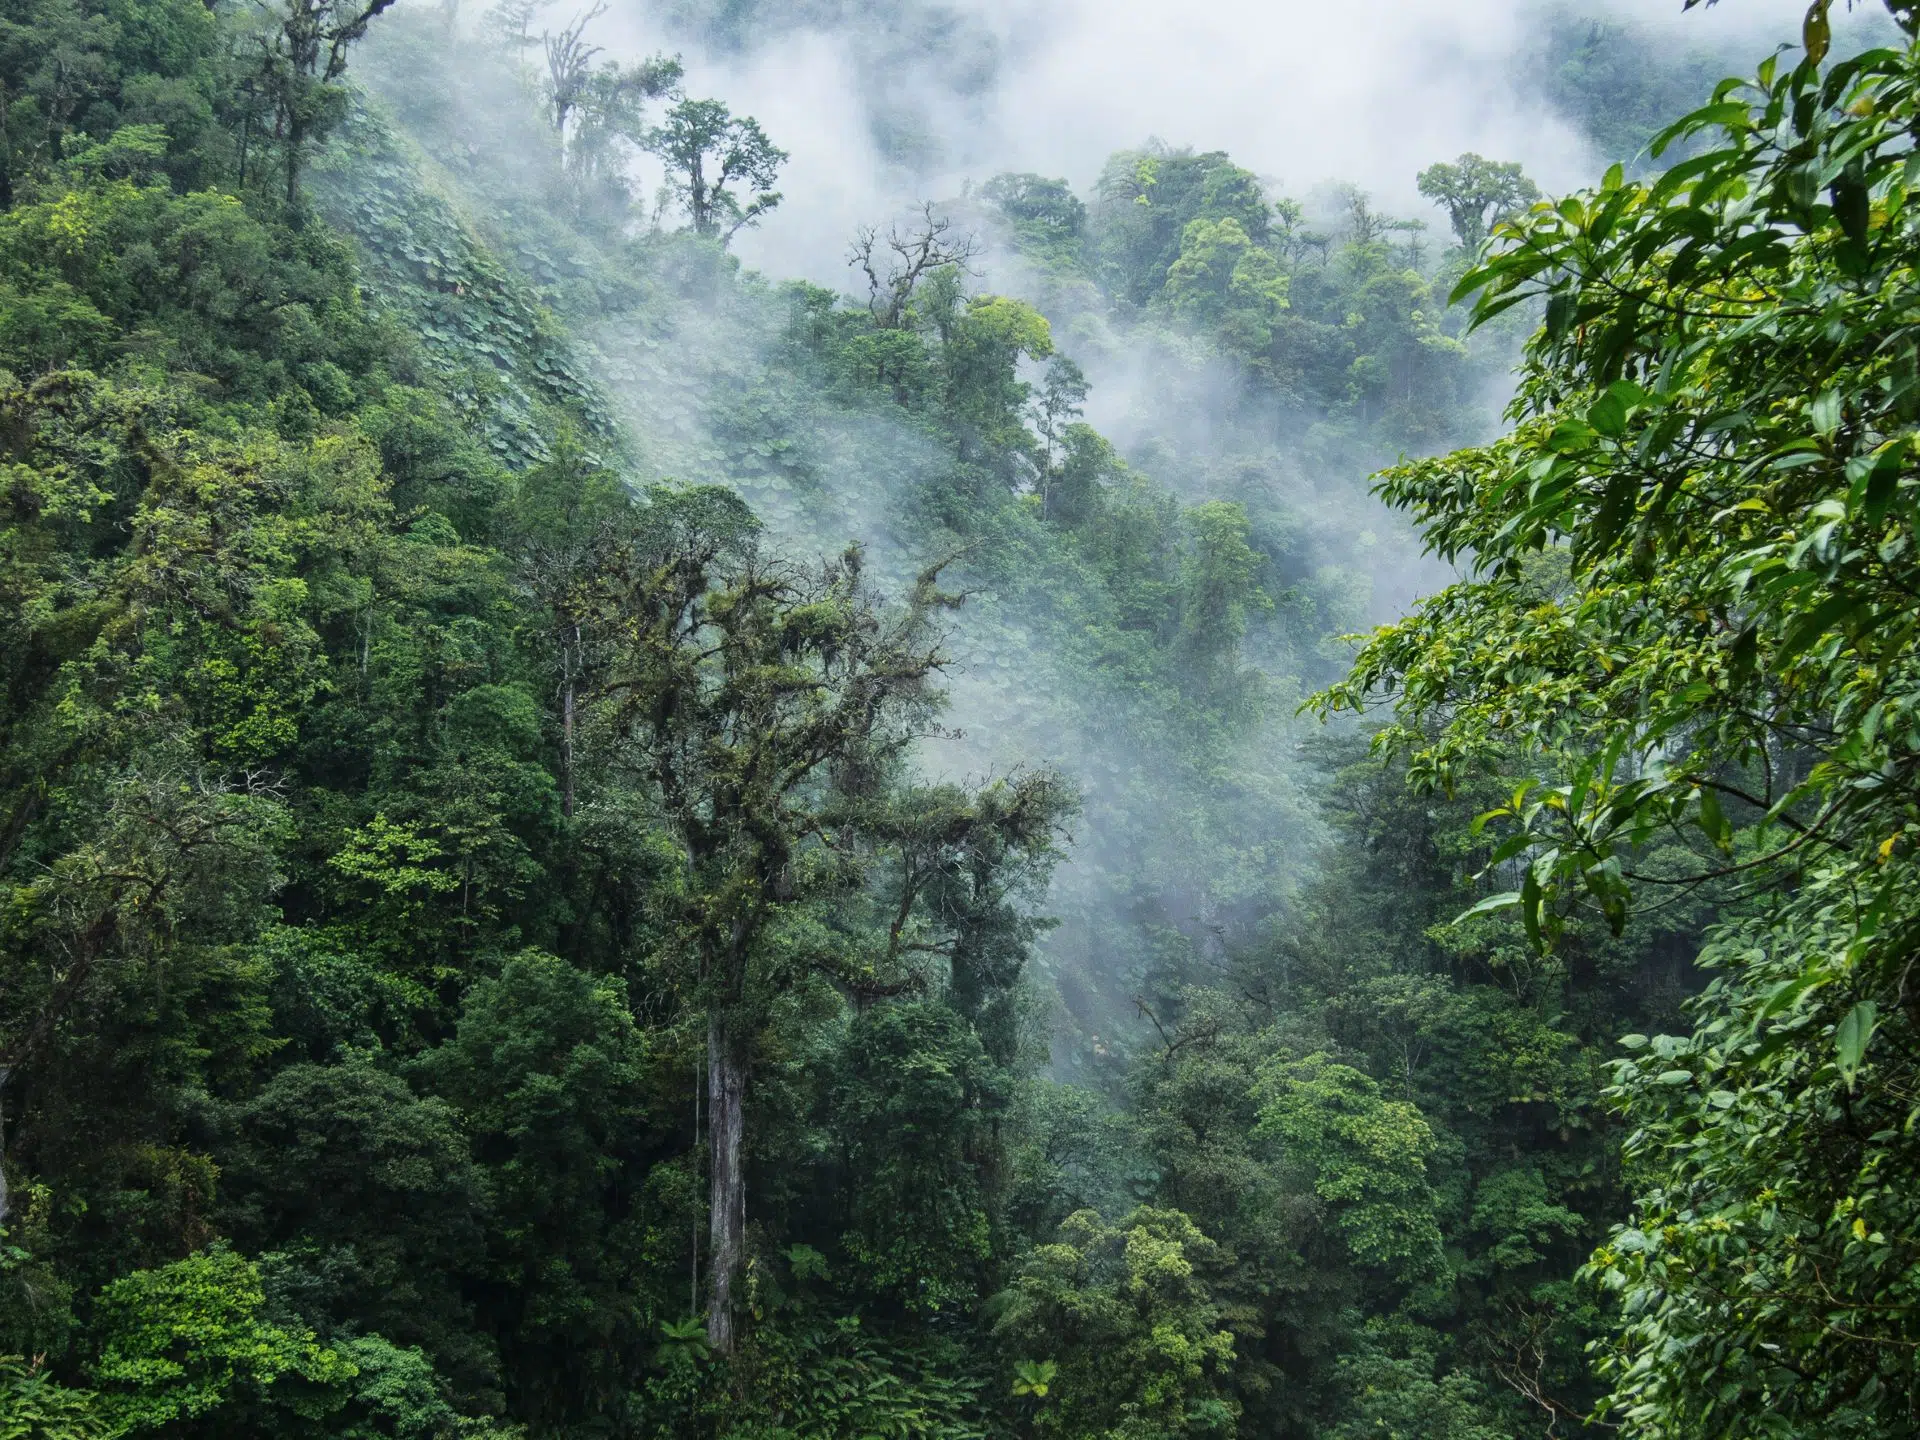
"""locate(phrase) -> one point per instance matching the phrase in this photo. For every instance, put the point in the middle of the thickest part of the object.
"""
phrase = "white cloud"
(1302, 91)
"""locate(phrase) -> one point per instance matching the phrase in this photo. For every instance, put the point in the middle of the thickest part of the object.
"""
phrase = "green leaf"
(1852, 1036)
(1825, 412)
(1616, 510)
(1532, 902)
(1785, 994)
(1570, 436)
(1713, 820)
(1505, 900)
(1608, 415)
(1816, 32)
(1851, 206)
(1810, 626)
(1560, 309)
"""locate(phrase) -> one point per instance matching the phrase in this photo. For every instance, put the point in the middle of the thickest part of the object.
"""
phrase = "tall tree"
(303, 51)
(1475, 193)
(570, 65)
(712, 159)
(769, 704)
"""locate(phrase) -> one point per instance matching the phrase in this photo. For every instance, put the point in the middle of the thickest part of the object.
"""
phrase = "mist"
(928, 102)
(1194, 832)
(1303, 94)
(1118, 819)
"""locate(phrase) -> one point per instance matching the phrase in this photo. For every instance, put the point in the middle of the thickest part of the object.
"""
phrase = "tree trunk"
(727, 1182)
(568, 648)
(5, 1075)
(294, 143)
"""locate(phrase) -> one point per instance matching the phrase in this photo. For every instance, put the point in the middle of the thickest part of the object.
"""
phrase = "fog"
(921, 99)
(1302, 93)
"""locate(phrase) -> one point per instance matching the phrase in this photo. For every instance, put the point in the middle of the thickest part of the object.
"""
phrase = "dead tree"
(570, 66)
(896, 263)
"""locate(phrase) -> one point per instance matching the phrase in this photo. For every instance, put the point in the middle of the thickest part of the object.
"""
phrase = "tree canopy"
(1688, 636)
(595, 846)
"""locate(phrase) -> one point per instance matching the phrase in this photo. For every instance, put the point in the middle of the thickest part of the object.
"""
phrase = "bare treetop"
(895, 263)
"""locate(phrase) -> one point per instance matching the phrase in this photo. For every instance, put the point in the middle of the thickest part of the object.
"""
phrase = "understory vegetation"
(593, 845)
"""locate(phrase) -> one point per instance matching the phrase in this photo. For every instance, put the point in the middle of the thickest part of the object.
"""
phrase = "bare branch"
(896, 263)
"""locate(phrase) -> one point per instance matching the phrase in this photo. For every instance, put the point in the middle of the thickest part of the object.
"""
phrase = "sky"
(1302, 92)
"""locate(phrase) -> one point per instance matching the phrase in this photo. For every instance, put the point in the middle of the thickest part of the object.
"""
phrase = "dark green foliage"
(1704, 672)
(514, 927)
(912, 1113)
(367, 1198)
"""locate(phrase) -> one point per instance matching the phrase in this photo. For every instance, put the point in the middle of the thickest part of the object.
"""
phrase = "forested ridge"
(596, 845)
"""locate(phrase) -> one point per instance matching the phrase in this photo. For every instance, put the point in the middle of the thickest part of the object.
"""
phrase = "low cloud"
(1300, 91)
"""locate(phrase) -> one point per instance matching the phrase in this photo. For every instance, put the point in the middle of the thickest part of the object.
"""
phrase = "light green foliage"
(34, 1407)
(180, 1343)
(1010, 327)
(1126, 1314)
(1225, 283)
(1477, 194)
(1367, 1157)
(394, 861)
(1150, 202)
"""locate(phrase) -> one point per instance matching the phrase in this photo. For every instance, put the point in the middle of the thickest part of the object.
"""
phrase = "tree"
(768, 704)
(510, 23)
(1476, 193)
(570, 516)
(897, 262)
(570, 66)
(1045, 215)
(1366, 1157)
(1226, 283)
(593, 107)
(368, 1192)
(1218, 591)
(188, 1341)
(1063, 394)
(1119, 1332)
(303, 51)
(1690, 624)
(609, 118)
(546, 1069)
(711, 159)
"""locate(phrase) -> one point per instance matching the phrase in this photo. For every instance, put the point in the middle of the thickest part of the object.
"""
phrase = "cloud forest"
(809, 721)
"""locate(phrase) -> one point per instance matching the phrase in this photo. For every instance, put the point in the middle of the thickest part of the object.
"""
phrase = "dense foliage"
(594, 846)
(1690, 639)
